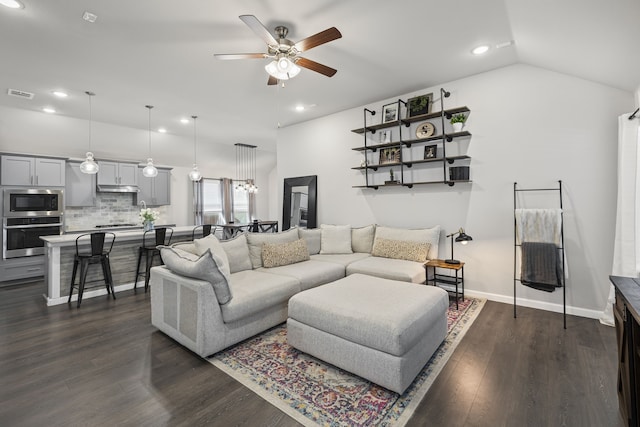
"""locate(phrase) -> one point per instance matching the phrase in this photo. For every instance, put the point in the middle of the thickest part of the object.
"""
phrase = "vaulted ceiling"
(160, 52)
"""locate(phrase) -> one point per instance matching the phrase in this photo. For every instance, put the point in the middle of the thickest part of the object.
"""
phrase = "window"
(212, 212)
(217, 202)
(241, 212)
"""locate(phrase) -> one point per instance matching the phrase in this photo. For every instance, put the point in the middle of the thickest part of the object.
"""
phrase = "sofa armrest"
(187, 310)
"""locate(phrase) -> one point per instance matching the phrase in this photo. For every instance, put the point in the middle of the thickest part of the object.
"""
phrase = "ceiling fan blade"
(260, 30)
(240, 55)
(317, 39)
(315, 66)
(272, 81)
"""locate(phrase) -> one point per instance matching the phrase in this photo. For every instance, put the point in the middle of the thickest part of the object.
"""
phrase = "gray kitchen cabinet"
(80, 188)
(115, 173)
(155, 191)
(22, 268)
(32, 171)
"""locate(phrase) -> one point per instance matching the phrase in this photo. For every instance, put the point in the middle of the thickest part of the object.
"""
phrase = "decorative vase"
(147, 225)
(457, 126)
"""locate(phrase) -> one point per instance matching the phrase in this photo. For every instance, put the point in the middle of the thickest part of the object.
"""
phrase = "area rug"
(315, 393)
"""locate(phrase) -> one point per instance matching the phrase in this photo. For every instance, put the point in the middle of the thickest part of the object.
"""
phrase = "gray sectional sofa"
(212, 294)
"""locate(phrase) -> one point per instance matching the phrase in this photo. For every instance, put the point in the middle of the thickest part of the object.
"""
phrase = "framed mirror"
(299, 202)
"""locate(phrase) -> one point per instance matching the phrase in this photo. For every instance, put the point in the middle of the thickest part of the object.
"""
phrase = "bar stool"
(206, 230)
(163, 236)
(97, 255)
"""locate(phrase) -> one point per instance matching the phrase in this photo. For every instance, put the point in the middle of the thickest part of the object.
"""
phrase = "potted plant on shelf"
(457, 121)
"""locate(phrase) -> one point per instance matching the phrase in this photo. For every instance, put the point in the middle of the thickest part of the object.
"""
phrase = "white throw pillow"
(335, 239)
(424, 235)
(362, 238)
(212, 243)
(237, 253)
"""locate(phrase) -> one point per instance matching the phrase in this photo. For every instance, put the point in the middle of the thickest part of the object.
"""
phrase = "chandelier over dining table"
(246, 168)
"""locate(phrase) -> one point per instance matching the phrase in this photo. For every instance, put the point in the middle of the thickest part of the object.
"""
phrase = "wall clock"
(425, 130)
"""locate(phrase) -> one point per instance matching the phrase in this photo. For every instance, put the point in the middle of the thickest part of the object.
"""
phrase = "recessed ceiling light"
(60, 94)
(48, 110)
(480, 50)
(299, 107)
(505, 44)
(162, 130)
(184, 121)
(89, 17)
(13, 4)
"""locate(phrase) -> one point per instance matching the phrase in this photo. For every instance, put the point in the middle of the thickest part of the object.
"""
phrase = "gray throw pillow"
(312, 237)
(237, 253)
(362, 238)
(198, 267)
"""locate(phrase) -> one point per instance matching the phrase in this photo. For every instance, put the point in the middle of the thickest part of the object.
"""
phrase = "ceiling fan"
(284, 54)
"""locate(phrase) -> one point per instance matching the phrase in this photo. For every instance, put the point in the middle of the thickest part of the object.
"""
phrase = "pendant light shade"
(150, 170)
(195, 174)
(89, 166)
(246, 168)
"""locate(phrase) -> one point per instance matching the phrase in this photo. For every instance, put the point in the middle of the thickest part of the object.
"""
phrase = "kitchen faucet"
(144, 205)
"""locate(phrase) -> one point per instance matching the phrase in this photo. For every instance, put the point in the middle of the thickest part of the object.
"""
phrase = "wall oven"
(27, 215)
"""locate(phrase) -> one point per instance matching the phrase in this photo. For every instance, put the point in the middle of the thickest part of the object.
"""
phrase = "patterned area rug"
(316, 393)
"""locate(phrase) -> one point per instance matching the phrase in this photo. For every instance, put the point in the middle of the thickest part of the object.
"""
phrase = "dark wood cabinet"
(627, 319)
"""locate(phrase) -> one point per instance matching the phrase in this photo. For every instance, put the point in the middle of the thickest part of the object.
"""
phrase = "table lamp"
(462, 238)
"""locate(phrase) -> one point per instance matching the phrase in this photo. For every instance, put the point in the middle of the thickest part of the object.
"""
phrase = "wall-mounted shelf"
(404, 149)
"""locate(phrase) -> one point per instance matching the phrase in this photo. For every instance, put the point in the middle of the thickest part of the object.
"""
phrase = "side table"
(449, 280)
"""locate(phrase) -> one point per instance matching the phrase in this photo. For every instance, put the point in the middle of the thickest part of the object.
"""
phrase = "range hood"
(103, 188)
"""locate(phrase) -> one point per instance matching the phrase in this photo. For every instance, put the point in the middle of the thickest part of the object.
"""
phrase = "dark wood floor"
(104, 364)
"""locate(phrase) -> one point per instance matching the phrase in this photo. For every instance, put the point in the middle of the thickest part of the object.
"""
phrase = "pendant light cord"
(90, 94)
(195, 140)
(149, 107)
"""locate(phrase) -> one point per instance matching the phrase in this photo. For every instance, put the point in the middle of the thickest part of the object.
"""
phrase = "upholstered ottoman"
(380, 329)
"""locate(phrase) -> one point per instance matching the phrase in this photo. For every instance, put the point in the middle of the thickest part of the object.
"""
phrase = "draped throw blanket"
(541, 266)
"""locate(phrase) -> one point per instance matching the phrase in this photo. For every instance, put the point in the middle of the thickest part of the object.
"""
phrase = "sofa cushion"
(310, 273)
(387, 268)
(401, 249)
(212, 243)
(385, 315)
(362, 238)
(186, 246)
(255, 291)
(342, 259)
(425, 235)
(237, 253)
(312, 237)
(255, 241)
(335, 239)
(204, 267)
(278, 254)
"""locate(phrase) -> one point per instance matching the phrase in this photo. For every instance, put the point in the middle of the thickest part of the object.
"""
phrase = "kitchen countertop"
(69, 239)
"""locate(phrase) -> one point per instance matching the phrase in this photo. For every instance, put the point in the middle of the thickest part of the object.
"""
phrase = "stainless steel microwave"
(32, 202)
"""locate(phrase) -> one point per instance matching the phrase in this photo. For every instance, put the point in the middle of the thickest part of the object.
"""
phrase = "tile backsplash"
(110, 208)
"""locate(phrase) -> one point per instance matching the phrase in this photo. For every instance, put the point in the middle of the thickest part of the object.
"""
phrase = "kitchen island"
(60, 251)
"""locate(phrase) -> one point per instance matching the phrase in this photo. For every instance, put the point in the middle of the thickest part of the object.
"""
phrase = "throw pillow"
(256, 240)
(335, 239)
(185, 246)
(277, 254)
(312, 237)
(212, 243)
(201, 267)
(424, 235)
(237, 252)
(362, 238)
(401, 249)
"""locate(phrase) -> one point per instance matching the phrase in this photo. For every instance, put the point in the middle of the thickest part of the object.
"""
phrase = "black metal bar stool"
(206, 230)
(162, 236)
(96, 255)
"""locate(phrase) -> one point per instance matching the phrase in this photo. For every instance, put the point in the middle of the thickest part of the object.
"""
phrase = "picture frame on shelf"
(390, 112)
(430, 151)
(419, 105)
(389, 155)
(385, 136)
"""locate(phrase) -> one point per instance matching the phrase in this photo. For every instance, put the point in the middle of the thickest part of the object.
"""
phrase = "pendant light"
(195, 174)
(149, 171)
(246, 168)
(89, 166)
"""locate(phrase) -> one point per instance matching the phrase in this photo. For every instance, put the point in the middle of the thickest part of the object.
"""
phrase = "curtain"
(627, 241)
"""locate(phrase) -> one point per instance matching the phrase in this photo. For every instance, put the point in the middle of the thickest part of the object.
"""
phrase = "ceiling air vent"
(20, 94)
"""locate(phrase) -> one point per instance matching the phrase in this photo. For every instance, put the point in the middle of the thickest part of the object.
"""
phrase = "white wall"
(529, 125)
(31, 132)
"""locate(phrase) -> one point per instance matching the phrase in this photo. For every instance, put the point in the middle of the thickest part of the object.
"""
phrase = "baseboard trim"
(541, 305)
(90, 294)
